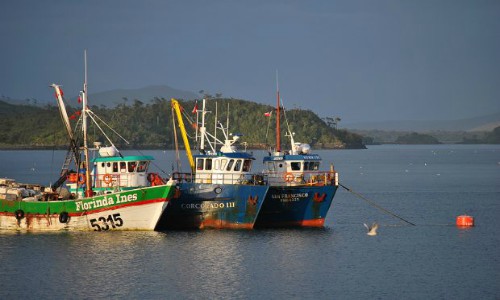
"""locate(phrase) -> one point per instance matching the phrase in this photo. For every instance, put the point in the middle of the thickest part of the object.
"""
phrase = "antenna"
(227, 119)
(215, 127)
(278, 138)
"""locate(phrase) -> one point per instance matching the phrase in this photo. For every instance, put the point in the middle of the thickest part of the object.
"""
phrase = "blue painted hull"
(296, 206)
(197, 206)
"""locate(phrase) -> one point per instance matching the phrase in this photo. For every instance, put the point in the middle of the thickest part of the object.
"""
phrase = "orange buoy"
(465, 221)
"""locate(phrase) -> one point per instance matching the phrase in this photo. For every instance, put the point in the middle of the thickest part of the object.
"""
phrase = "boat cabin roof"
(243, 155)
(308, 157)
(125, 158)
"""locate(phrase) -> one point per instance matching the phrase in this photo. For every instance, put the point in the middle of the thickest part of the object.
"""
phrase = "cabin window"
(237, 167)
(131, 166)
(311, 166)
(199, 164)
(123, 167)
(223, 163)
(230, 165)
(115, 167)
(142, 167)
(217, 164)
(208, 164)
(108, 165)
(247, 165)
(295, 166)
(102, 165)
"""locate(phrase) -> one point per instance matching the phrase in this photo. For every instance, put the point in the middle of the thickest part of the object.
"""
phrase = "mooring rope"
(376, 205)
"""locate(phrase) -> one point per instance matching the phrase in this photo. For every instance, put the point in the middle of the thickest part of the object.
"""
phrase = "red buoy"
(465, 221)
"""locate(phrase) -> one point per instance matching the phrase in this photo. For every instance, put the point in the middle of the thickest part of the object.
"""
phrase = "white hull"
(137, 217)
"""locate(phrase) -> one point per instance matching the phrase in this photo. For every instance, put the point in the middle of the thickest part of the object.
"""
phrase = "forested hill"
(149, 125)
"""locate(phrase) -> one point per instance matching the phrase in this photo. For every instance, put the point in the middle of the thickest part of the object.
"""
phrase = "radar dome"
(107, 151)
(305, 148)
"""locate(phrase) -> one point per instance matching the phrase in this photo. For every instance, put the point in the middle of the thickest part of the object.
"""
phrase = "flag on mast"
(268, 114)
(195, 108)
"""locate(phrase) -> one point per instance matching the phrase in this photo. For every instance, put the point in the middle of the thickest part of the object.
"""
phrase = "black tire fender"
(63, 217)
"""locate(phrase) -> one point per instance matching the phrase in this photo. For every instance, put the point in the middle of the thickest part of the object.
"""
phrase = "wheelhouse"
(127, 171)
(112, 173)
(224, 168)
(297, 169)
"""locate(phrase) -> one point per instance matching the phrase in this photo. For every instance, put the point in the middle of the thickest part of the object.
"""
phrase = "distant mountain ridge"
(115, 97)
(481, 123)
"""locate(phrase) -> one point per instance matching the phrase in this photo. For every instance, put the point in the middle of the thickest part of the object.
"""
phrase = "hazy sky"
(360, 60)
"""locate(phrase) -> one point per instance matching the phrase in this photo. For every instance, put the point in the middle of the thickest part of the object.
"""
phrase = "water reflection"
(338, 262)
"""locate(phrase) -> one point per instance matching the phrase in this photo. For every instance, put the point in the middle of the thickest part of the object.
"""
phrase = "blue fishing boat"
(220, 191)
(300, 194)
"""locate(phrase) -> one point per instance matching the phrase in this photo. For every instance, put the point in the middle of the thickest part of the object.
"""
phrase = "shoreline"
(253, 147)
(152, 147)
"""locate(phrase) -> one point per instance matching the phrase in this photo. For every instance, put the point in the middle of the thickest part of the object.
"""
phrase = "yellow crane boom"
(177, 108)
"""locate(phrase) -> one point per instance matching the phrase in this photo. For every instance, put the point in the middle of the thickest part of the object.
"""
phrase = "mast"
(197, 145)
(88, 186)
(278, 138)
(203, 129)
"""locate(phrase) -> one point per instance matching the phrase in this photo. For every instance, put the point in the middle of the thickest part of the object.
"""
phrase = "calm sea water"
(426, 185)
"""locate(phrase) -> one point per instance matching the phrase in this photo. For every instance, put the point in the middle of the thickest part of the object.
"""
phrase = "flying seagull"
(372, 230)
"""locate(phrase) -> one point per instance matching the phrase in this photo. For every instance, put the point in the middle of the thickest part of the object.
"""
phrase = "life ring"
(289, 177)
(63, 217)
(107, 178)
(218, 190)
(19, 214)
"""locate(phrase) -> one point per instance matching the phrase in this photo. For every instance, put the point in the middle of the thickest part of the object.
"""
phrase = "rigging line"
(92, 115)
(190, 121)
(284, 114)
(188, 118)
(102, 131)
(375, 204)
(267, 129)
(152, 162)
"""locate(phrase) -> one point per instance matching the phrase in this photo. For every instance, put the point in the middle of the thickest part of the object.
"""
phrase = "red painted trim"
(137, 203)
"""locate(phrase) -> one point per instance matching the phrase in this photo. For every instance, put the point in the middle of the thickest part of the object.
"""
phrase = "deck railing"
(221, 178)
(312, 178)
